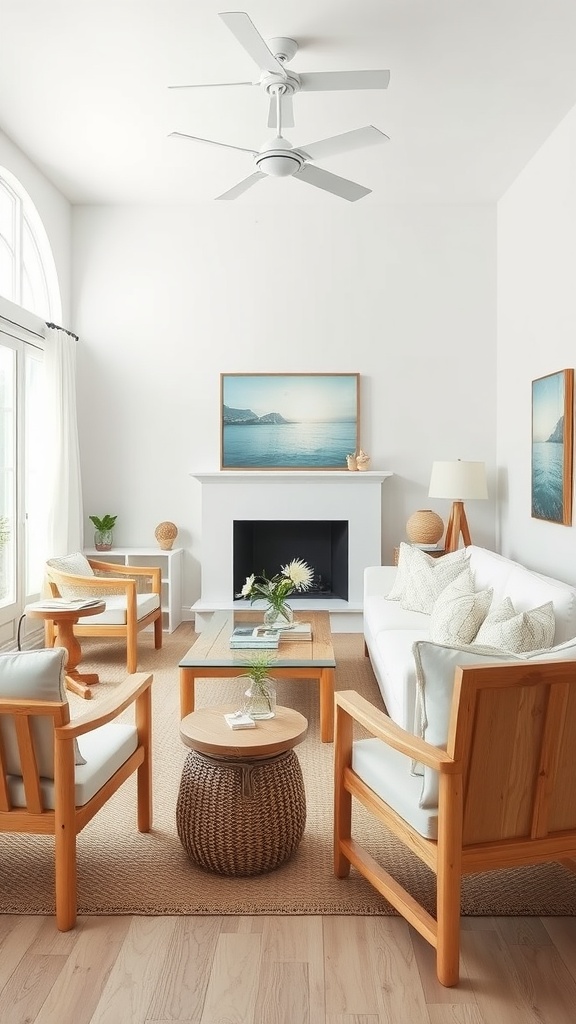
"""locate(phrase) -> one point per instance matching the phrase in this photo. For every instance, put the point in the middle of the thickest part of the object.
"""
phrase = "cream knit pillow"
(518, 632)
(459, 611)
(412, 560)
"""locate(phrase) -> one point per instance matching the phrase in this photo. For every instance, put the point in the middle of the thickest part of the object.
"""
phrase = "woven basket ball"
(166, 534)
(424, 527)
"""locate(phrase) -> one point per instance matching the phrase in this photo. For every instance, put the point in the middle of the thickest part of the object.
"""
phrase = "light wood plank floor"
(282, 970)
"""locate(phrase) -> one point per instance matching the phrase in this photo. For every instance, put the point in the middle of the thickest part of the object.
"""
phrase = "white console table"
(170, 562)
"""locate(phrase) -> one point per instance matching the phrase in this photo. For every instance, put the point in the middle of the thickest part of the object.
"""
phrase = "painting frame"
(552, 467)
(288, 421)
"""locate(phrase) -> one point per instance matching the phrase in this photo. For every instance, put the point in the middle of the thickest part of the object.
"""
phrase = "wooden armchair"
(129, 607)
(48, 784)
(506, 788)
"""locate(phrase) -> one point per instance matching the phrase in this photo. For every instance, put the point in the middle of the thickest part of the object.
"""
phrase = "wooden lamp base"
(457, 524)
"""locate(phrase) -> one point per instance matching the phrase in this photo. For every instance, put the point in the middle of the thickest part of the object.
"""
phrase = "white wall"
(536, 335)
(54, 210)
(167, 298)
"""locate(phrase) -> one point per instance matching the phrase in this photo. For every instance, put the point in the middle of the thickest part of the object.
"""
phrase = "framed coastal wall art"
(552, 446)
(289, 420)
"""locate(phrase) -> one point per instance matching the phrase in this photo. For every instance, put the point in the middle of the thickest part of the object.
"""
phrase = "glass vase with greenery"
(260, 695)
(104, 535)
(294, 576)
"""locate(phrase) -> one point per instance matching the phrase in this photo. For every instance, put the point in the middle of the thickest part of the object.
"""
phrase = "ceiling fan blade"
(287, 111)
(242, 186)
(358, 137)
(249, 37)
(210, 85)
(210, 142)
(320, 81)
(331, 183)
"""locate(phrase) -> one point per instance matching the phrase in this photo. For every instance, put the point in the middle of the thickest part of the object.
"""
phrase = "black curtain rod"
(58, 328)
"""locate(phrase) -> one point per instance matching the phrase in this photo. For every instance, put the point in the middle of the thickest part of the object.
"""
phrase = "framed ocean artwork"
(289, 420)
(552, 447)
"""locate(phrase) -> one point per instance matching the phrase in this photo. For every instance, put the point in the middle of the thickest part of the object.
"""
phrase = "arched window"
(27, 269)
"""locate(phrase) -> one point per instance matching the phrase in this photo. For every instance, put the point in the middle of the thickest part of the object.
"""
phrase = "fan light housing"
(278, 159)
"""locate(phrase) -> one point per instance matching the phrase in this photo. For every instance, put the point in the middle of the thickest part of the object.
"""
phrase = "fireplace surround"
(348, 506)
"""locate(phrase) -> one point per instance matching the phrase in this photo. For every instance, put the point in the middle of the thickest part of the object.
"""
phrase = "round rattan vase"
(166, 534)
(424, 527)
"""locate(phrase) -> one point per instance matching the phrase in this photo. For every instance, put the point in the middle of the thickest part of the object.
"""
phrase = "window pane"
(34, 289)
(7, 457)
(7, 213)
(6, 271)
(34, 498)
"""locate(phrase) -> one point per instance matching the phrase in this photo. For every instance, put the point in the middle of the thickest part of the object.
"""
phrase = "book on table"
(254, 637)
(61, 604)
(294, 631)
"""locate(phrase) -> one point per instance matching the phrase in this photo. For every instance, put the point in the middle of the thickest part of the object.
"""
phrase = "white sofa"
(390, 630)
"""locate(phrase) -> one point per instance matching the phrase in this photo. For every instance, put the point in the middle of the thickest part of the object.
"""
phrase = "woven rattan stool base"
(241, 817)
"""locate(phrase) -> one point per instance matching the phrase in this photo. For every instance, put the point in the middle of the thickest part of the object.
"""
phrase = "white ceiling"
(476, 86)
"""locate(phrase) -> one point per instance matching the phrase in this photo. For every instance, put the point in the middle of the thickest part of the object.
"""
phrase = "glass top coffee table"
(210, 657)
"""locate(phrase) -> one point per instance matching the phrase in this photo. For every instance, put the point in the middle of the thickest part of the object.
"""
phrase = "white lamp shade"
(458, 480)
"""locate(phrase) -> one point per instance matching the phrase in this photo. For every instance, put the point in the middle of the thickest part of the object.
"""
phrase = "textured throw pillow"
(459, 611)
(426, 578)
(518, 632)
(410, 557)
(77, 565)
(34, 675)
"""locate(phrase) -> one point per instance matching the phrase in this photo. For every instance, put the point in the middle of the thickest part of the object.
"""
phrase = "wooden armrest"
(108, 709)
(383, 728)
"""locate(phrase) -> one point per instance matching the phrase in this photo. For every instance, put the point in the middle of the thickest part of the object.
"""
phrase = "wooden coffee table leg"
(187, 687)
(327, 705)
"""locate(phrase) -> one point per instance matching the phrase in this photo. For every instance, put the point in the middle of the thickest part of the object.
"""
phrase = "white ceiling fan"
(280, 159)
(276, 79)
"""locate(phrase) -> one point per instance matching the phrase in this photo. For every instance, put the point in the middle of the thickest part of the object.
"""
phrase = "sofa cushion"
(397, 671)
(435, 668)
(525, 588)
(414, 565)
(427, 579)
(382, 614)
(518, 632)
(459, 611)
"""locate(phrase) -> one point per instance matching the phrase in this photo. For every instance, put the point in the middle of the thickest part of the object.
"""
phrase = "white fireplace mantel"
(230, 495)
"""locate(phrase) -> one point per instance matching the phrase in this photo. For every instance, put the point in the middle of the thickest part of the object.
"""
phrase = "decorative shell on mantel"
(166, 534)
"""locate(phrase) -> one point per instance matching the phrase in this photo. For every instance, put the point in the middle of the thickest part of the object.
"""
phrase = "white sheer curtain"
(64, 525)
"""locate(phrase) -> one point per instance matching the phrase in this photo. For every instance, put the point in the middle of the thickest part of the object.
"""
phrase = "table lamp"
(459, 481)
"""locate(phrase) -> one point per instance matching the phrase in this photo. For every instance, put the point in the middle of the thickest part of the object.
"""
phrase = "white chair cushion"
(459, 611)
(115, 613)
(420, 578)
(106, 750)
(435, 667)
(77, 565)
(33, 675)
(387, 772)
(518, 632)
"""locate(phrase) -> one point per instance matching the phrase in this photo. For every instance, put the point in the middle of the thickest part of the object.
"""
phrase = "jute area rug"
(124, 872)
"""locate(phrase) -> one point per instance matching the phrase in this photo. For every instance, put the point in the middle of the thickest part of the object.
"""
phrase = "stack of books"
(296, 631)
(255, 637)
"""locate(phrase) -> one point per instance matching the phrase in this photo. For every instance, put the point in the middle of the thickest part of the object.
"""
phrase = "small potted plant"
(104, 535)
(260, 696)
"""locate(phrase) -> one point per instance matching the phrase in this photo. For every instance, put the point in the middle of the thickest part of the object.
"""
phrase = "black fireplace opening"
(261, 545)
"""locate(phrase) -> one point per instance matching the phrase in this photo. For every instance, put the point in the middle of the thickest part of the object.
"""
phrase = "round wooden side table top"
(207, 731)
